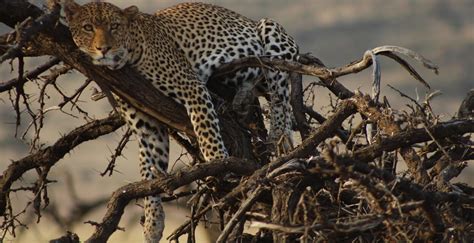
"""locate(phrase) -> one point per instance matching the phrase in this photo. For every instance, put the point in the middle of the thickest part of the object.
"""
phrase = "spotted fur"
(177, 50)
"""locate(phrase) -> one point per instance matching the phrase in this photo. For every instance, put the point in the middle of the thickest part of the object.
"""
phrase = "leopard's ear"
(71, 8)
(131, 12)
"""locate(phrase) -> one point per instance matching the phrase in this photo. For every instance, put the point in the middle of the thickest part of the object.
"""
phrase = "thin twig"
(7, 85)
(117, 153)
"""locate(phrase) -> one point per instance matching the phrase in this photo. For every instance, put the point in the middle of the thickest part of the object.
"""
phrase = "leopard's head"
(101, 30)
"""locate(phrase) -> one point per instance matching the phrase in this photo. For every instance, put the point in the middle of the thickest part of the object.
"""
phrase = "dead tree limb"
(125, 194)
(7, 85)
(413, 136)
(28, 29)
(296, 99)
(50, 155)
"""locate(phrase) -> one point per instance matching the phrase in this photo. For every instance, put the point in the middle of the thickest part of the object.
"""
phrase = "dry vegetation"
(340, 184)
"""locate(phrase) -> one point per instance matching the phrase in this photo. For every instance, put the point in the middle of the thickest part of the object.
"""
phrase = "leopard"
(178, 49)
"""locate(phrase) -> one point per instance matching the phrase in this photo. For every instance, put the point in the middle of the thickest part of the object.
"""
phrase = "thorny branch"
(123, 195)
(28, 29)
(7, 85)
(52, 154)
(117, 153)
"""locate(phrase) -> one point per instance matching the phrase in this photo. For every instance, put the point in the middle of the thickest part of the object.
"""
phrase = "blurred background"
(337, 31)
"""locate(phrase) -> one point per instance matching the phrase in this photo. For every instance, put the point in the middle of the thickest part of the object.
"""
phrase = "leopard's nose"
(104, 48)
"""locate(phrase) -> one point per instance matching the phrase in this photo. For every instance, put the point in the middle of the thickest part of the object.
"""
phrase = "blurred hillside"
(337, 31)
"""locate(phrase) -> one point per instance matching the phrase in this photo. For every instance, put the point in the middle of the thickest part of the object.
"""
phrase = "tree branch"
(52, 154)
(122, 196)
(413, 136)
(4, 86)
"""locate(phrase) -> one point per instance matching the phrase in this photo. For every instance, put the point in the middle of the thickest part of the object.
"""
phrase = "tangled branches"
(341, 183)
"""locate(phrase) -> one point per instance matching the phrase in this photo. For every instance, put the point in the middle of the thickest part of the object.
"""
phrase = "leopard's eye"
(87, 27)
(114, 26)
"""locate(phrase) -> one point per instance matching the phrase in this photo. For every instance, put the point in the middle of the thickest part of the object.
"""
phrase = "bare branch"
(357, 225)
(7, 85)
(29, 29)
(123, 195)
(117, 153)
(50, 155)
(413, 136)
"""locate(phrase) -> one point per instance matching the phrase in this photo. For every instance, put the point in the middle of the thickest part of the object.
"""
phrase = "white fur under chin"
(110, 64)
(112, 60)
